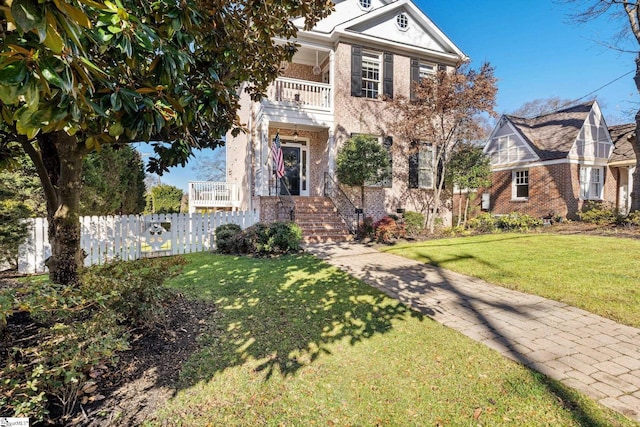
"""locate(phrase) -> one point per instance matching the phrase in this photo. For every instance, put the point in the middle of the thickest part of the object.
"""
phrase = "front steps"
(319, 220)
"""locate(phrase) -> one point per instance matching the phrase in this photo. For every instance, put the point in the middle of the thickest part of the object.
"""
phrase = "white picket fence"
(104, 238)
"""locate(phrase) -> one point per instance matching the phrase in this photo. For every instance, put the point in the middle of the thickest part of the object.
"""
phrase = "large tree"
(628, 12)
(78, 74)
(447, 108)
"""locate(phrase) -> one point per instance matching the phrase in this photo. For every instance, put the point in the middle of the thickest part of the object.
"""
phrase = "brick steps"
(319, 221)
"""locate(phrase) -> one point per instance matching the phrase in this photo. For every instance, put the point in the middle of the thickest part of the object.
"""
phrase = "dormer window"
(365, 4)
(402, 21)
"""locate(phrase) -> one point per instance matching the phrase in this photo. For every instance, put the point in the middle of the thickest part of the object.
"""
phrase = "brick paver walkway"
(596, 356)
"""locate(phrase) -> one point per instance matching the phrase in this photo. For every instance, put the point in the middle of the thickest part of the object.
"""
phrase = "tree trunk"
(466, 210)
(62, 155)
(459, 208)
(635, 142)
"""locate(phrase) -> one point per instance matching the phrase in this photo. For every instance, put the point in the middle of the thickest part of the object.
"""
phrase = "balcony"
(210, 194)
(302, 94)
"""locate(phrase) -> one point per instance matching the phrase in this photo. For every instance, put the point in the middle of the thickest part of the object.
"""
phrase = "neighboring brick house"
(552, 164)
(623, 163)
(333, 88)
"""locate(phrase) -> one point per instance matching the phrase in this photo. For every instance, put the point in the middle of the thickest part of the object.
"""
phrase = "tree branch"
(50, 192)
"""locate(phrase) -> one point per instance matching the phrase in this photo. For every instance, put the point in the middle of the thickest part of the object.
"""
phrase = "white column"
(331, 152)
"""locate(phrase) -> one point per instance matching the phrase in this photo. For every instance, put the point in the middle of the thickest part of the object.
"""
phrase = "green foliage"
(633, 219)
(77, 75)
(136, 287)
(261, 239)
(483, 223)
(230, 240)
(164, 199)
(387, 229)
(20, 183)
(282, 237)
(598, 213)
(361, 160)
(77, 332)
(413, 222)
(13, 230)
(515, 221)
(468, 167)
(113, 182)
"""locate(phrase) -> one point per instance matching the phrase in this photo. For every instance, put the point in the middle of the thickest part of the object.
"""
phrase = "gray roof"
(552, 135)
(623, 150)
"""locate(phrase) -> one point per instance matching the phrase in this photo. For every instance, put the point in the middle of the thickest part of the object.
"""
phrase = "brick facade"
(553, 190)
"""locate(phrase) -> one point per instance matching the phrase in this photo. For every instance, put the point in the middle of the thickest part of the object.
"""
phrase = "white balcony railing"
(301, 93)
(210, 194)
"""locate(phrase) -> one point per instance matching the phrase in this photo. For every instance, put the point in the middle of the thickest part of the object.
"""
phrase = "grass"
(597, 274)
(298, 343)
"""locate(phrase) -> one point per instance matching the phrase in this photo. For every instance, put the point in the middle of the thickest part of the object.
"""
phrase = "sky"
(538, 52)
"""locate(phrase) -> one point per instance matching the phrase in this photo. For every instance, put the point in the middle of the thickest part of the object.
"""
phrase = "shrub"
(76, 333)
(633, 218)
(516, 221)
(413, 222)
(387, 229)
(228, 239)
(284, 237)
(73, 333)
(598, 213)
(136, 286)
(483, 223)
(365, 228)
(277, 237)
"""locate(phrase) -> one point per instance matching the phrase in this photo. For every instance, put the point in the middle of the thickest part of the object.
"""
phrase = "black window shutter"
(387, 74)
(387, 142)
(413, 170)
(356, 70)
(414, 77)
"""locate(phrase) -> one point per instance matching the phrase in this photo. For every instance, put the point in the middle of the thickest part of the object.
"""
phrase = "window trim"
(371, 56)
(365, 7)
(402, 19)
(515, 184)
(427, 147)
(588, 173)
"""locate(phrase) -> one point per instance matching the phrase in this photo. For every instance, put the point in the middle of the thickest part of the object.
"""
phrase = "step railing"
(346, 209)
(286, 202)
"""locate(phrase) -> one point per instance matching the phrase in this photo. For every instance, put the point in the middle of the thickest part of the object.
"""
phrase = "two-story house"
(335, 87)
(551, 165)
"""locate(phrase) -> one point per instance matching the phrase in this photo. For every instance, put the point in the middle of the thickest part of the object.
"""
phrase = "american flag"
(276, 152)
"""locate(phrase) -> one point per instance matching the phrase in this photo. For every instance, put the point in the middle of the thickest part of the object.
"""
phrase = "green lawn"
(298, 343)
(598, 274)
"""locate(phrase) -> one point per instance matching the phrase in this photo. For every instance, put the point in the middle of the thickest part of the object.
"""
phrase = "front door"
(295, 157)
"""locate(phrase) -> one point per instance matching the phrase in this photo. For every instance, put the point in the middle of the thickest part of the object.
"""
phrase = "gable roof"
(552, 135)
(373, 25)
(623, 150)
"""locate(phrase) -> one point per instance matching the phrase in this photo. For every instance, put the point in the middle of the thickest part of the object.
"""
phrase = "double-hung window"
(426, 70)
(371, 75)
(520, 190)
(591, 183)
(422, 170)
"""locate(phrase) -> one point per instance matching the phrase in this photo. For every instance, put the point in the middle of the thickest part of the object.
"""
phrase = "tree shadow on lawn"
(434, 291)
(282, 312)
